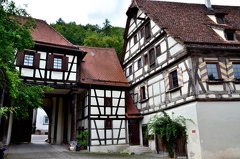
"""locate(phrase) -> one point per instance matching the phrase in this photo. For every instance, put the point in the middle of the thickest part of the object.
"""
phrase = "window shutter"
(203, 71)
(230, 71)
(146, 91)
(50, 62)
(166, 82)
(180, 77)
(20, 58)
(223, 71)
(36, 60)
(65, 63)
(139, 94)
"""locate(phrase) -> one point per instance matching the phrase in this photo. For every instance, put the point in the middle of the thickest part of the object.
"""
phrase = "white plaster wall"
(189, 112)
(219, 129)
(39, 122)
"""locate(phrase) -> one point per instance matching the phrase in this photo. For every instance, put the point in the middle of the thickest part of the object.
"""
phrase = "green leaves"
(170, 129)
(15, 35)
(92, 35)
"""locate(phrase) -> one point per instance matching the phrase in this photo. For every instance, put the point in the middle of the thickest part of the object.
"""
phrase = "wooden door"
(145, 140)
(134, 132)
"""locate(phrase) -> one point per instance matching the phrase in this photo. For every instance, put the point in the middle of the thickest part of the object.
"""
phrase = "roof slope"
(46, 34)
(189, 22)
(101, 67)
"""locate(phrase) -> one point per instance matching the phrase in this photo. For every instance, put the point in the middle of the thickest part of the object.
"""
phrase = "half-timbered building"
(184, 58)
(89, 92)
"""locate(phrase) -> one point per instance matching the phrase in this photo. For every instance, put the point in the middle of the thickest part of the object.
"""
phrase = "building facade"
(184, 58)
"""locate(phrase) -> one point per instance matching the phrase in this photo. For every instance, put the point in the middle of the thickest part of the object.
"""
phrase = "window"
(135, 39)
(158, 50)
(107, 101)
(147, 31)
(139, 63)
(213, 71)
(108, 124)
(130, 70)
(236, 70)
(45, 120)
(142, 33)
(143, 93)
(220, 18)
(173, 79)
(229, 35)
(152, 58)
(145, 59)
(28, 59)
(57, 62)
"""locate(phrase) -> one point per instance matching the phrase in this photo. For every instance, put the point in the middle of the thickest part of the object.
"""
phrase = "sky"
(91, 11)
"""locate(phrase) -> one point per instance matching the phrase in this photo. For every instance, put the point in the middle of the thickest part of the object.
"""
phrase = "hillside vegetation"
(92, 35)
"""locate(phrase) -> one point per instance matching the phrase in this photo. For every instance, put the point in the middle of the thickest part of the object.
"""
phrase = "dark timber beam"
(73, 115)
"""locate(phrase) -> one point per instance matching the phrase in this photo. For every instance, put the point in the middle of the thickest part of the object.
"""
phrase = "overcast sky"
(90, 11)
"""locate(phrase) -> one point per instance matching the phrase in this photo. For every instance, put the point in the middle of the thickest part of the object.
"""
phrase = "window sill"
(142, 101)
(174, 89)
(237, 81)
(215, 81)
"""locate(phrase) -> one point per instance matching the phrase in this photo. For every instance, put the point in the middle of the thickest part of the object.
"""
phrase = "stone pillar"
(73, 115)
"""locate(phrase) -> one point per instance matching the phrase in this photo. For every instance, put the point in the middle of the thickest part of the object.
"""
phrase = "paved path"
(39, 149)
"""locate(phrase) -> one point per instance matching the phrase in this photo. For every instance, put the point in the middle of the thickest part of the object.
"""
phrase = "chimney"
(208, 4)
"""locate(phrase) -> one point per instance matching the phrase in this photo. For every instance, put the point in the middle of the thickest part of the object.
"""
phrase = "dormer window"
(220, 18)
(230, 35)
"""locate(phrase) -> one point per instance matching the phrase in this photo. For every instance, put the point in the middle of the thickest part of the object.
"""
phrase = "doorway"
(134, 132)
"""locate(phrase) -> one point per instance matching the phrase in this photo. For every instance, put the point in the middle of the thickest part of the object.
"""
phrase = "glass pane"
(28, 60)
(212, 71)
(57, 63)
(174, 79)
(236, 71)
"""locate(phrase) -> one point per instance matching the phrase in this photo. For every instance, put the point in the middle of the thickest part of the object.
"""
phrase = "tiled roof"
(189, 22)
(101, 66)
(45, 33)
(131, 108)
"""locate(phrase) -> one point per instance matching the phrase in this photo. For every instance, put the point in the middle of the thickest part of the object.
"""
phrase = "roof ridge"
(95, 47)
(43, 21)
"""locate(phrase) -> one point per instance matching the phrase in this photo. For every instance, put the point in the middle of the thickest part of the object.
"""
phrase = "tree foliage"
(92, 35)
(15, 35)
(170, 130)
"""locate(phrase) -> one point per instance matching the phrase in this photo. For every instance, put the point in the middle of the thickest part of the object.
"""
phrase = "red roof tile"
(189, 22)
(131, 109)
(101, 66)
(45, 33)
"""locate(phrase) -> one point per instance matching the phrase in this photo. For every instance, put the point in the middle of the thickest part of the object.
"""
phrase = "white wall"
(39, 122)
(219, 125)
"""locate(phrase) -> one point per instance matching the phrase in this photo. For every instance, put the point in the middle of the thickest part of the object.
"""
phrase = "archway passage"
(40, 126)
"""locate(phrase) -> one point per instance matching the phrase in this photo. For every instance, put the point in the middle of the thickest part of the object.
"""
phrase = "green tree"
(15, 35)
(92, 35)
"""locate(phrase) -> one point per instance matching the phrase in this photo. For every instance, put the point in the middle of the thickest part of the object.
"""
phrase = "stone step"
(137, 150)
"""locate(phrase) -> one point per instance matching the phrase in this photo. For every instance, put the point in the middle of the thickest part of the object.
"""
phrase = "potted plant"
(82, 139)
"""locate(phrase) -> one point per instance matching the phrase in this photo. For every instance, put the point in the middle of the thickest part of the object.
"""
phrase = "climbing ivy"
(170, 130)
